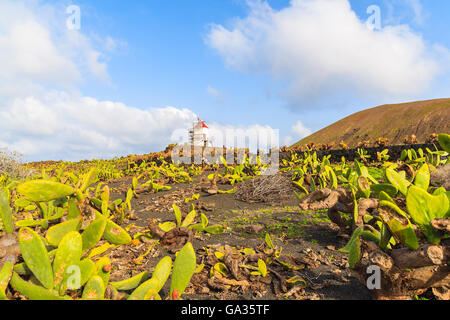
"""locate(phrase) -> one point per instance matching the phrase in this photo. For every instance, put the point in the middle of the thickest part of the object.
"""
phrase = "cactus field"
(143, 228)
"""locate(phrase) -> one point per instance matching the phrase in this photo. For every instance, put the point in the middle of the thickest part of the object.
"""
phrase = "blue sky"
(234, 63)
(168, 63)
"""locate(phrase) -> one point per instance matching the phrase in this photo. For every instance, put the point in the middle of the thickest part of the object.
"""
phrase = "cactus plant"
(115, 234)
(93, 233)
(162, 272)
(397, 180)
(94, 289)
(424, 208)
(33, 291)
(5, 276)
(444, 141)
(6, 212)
(57, 232)
(44, 190)
(140, 292)
(131, 283)
(183, 269)
(80, 273)
(68, 253)
(103, 266)
(36, 256)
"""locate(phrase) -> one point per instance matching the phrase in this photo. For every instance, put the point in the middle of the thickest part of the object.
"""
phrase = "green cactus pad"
(355, 253)
(444, 141)
(36, 256)
(215, 229)
(152, 294)
(22, 269)
(162, 271)
(140, 292)
(87, 269)
(397, 180)
(406, 234)
(5, 275)
(5, 212)
(93, 233)
(189, 219)
(32, 291)
(183, 269)
(422, 179)
(384, 187)
(68, 253)
(131, 283)
(177, 212)
(57, 232)
(115, 234)
(103, 266)
(424, 207)
(73, 211)
(89, 179)
(94, 289)
(44, 190)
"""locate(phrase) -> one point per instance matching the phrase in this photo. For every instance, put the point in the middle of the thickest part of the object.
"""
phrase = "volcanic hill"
(392, 121)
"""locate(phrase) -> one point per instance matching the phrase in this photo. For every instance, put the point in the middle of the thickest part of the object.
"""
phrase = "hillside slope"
(393, 121)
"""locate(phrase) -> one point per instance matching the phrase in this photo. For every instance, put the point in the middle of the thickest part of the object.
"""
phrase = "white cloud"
(300, 130)
(35, 54)
(405, 10)
(417, 8)
(43, 115)
(77, 127)
(111, 44)
(322, 49)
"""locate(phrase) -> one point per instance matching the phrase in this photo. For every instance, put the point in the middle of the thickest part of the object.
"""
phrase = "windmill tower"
(198, 134)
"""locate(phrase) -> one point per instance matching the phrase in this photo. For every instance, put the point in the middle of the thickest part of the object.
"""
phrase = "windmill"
(198, 133)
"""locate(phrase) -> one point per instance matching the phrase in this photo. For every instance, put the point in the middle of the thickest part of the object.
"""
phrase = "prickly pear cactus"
(33, 291)
(44, 190)
(36, 256)
(93, 233)
(131, 283)
(397, 180)
(444, 141)
(115, 234)
(183, 269)
(68, 254)
(6, 212)
(57, 232)
(94, 289)
(104, 269)
(140, 292)
(162, 271)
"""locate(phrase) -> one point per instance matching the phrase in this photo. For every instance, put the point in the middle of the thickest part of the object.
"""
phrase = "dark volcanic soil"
(308, 238)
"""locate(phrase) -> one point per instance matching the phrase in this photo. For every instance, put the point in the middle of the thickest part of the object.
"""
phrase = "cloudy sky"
(127, 74)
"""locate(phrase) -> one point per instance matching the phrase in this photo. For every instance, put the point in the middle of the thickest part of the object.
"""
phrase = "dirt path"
(307, 240)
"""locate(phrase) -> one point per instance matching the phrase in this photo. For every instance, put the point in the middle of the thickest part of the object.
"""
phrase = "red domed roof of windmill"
(200, 124)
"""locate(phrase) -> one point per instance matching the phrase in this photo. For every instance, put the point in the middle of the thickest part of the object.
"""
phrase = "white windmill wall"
(199, 136)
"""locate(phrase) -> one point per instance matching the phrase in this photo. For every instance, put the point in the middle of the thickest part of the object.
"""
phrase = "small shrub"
(11, 164)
